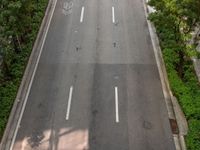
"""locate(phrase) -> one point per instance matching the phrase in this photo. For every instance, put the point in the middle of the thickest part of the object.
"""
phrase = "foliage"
(193, 141)
(174, 21)
(19, 24)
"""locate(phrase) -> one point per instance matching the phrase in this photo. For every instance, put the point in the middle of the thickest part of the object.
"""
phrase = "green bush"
(10, 80)
(7, 94)
(193, 139)
(185, 86)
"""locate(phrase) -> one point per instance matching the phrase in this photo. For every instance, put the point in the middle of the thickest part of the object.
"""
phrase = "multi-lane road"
(97, 84)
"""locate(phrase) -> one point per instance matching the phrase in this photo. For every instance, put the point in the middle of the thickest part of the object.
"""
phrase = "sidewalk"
(196, 62)
(197, 67)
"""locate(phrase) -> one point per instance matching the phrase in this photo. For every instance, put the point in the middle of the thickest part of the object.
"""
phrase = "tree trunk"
(181, 63)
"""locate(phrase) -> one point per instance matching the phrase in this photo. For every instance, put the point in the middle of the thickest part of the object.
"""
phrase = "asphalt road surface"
(97, 84)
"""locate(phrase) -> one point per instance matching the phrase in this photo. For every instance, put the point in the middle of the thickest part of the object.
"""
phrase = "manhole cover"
(174, 126)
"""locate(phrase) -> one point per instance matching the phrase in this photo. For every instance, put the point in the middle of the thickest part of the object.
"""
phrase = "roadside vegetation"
(19, 23)
(175, 20)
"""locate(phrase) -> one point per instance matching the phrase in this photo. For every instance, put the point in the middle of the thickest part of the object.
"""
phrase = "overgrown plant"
(174, 21)
(19, 23)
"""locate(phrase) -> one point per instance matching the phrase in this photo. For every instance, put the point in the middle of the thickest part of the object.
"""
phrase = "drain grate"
(174, 126)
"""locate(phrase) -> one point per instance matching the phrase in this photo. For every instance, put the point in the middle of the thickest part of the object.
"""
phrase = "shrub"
(17, 57)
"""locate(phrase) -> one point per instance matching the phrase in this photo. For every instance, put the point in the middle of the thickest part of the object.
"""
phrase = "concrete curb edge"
(196, 63)
(19, 100)
(171, 101)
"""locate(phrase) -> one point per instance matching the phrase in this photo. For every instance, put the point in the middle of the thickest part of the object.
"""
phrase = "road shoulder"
(176, 116)
(26, 80)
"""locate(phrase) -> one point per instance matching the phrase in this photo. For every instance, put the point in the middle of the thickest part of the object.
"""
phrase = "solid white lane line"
(32, 78)
(69, 102)
(113, 14)
(116, 105)
(82, 14)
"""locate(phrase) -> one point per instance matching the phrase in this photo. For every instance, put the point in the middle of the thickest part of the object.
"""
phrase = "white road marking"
(69, 102)
(82, 14)
(31, 81)
(113, 14)
(67, 8)
(116, 104)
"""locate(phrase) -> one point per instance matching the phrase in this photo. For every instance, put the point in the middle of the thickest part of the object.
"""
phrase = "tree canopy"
(175, 21)
(19, 23)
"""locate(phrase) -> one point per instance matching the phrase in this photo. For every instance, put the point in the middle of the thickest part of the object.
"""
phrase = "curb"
(176, 116)
(19, 100)
(196, 63)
